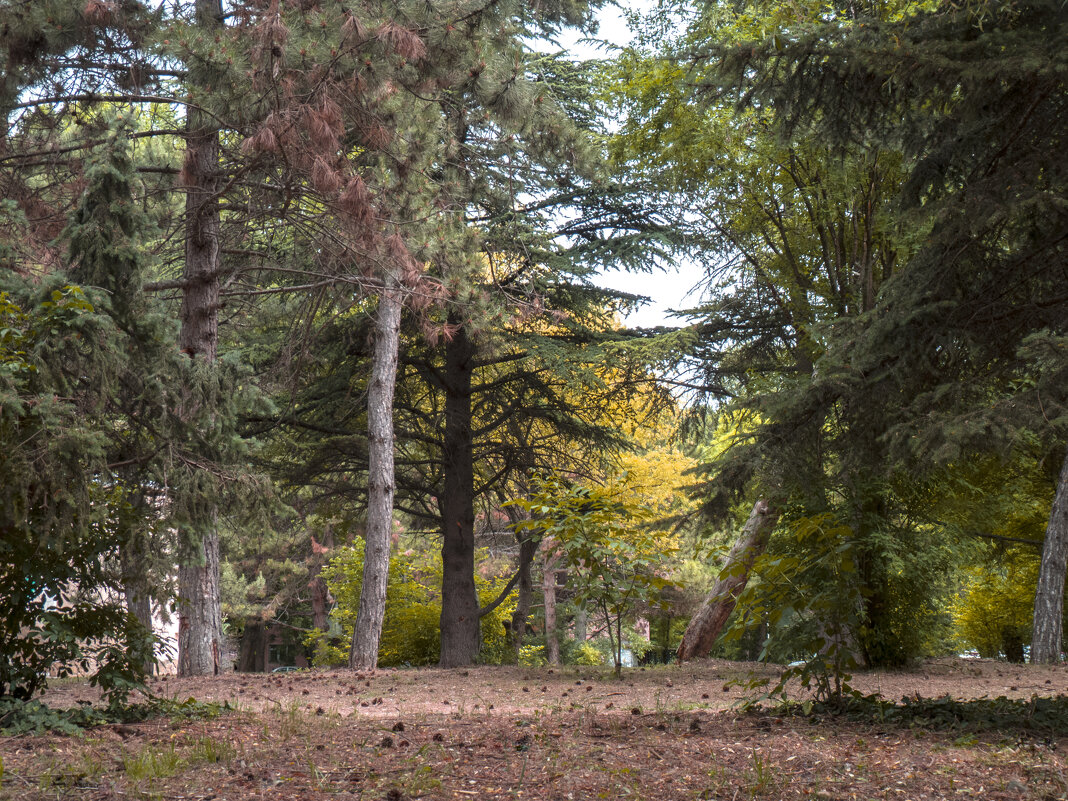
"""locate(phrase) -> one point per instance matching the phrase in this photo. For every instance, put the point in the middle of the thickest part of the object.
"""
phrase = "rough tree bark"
(200, 636)
(706, 625)
(1049, 595)
(459, 600)
(380, 481)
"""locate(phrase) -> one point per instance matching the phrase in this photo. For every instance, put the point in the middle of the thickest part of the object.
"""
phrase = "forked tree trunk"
(380, 484)
(200, 636)
(1049, 595)
(706, 625)
(459, 601)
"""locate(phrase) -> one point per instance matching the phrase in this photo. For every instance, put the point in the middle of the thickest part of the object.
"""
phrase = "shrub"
(532, 655)
(587, 653)
(411, 629)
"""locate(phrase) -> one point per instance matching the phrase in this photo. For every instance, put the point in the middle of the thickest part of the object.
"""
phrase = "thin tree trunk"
(528, 548)
(1049, 595)
(706, 625)
(459, 600)
(380, 484)
(200, 637)
(548, 586)
(320, 592)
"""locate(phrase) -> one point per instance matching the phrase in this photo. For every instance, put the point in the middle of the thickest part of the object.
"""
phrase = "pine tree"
(71, 62)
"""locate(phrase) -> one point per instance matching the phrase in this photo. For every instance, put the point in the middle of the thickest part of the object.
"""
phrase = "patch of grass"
(292, 721)
(150, 764)
(759, 779)
(211, 751)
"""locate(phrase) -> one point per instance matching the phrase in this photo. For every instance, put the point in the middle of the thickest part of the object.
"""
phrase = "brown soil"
(570, 733)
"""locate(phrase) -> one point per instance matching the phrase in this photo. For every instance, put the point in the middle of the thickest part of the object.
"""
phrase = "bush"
(586, 653)
(532, 655)
(411, 629)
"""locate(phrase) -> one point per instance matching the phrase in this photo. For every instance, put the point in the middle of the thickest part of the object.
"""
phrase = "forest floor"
(566, 733)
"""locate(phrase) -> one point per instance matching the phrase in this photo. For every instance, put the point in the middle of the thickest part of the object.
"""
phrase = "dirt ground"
(525, 733)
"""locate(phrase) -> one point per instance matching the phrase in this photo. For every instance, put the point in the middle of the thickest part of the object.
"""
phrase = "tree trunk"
(135, 588)
(320, 592)
(528, 548)
(380, 484)
(252, 658)
(548, 586)
(1049, 595)
(580, 624)
(200, 637)
(459, 601)
(706, 625)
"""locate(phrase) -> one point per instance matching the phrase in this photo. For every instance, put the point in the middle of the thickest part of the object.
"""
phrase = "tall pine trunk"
(200, 636)
(459, 601)
(1049, 595)
(380, 483)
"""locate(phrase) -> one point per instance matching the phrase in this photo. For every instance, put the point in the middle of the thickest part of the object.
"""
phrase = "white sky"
(669, 289)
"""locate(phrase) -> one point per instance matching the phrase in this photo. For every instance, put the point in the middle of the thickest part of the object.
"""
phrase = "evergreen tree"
(958, 349)
(112, 360)
(964, 346)
(68, 62)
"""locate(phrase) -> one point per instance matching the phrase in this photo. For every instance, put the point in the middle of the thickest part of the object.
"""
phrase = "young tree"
(606, 539)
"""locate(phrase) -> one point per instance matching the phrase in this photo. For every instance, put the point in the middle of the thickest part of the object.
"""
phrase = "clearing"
(564, 733)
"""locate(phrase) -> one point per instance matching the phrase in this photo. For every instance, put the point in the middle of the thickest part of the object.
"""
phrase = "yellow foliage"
(997, 601)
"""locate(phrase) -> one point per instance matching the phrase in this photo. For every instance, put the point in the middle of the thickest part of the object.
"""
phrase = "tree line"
(280, 276)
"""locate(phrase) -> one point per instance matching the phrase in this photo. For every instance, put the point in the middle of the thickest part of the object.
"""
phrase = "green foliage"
(59, 600)
(834, 601)
(608, 543)
(410, 631)
(33, 717)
